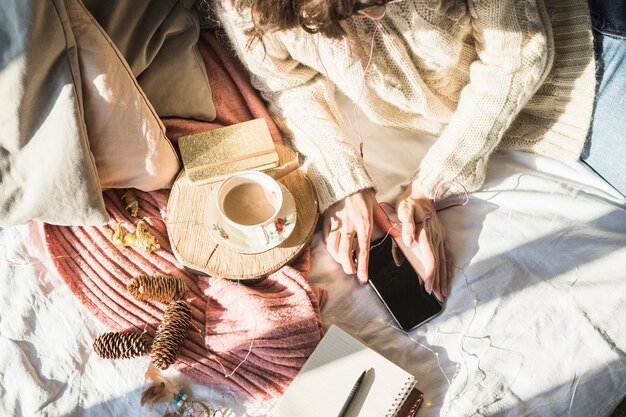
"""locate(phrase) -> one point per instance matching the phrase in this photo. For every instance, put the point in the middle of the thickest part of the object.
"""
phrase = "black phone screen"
(400, 288)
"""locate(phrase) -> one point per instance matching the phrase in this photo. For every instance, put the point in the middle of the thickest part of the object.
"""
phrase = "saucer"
(235, 240)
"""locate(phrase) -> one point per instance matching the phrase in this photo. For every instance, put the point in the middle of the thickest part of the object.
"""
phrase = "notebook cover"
(412, 404)
(211, 156)
(327, 377)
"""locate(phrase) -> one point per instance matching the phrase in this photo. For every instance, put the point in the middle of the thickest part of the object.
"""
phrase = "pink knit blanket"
(253, 338)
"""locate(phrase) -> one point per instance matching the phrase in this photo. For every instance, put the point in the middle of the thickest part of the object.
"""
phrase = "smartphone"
(400, 287)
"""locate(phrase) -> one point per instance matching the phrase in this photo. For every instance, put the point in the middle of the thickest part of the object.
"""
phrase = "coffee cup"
(250, 201)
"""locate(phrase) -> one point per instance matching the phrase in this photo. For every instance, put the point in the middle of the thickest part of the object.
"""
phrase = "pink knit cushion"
(262, 333)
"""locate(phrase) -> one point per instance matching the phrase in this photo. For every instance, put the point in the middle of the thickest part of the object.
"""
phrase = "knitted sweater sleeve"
(514, 49)
(309, 118)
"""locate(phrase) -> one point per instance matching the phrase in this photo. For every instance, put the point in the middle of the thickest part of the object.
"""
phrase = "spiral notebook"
(324, 383)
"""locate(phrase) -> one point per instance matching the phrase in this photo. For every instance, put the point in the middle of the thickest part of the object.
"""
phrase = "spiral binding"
(401, 398)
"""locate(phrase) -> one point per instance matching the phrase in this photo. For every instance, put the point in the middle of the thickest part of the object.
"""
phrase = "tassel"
(162, 288)
(170, 334)
(160, 389)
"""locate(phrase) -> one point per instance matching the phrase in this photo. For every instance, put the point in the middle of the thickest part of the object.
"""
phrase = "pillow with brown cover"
(158, 40)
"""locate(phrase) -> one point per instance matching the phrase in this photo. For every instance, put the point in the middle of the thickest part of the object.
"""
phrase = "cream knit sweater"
(479, 74)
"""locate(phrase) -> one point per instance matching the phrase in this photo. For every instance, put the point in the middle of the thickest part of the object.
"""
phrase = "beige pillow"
(126, 137)
(47, 172)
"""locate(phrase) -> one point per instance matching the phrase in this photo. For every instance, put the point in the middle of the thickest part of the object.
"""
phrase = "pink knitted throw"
(257, 336)
(254, 339)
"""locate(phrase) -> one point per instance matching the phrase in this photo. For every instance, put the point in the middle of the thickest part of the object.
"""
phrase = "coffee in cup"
(250, 201)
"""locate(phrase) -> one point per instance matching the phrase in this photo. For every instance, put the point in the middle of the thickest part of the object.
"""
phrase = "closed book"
(211, 156)
(327, 378)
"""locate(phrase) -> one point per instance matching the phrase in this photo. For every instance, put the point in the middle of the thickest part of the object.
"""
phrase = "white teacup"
(250, 201)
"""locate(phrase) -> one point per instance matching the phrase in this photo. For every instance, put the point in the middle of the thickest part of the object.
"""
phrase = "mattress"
(533, 325)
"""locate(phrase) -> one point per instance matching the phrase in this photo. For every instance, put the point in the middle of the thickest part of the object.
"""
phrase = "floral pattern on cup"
(221, 231)
(280, 223)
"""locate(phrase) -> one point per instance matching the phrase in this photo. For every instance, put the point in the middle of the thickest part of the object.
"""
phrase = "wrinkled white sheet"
(47, 366)
(534, 324)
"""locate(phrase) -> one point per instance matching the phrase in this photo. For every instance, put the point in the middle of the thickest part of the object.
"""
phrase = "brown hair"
(314, 16)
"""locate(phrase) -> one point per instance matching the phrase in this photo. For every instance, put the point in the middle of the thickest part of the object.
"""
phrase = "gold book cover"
(211, 156)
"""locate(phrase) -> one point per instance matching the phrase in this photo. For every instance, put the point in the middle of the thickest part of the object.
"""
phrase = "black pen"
(352, 394)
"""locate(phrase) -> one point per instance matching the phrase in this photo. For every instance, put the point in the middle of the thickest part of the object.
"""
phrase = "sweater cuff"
(444, 186)
(335, 187)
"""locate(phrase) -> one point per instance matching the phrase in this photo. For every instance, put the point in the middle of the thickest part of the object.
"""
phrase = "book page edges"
(221, 171)
(252, 156)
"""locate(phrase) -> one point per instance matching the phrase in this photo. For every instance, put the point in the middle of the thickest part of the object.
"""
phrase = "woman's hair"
(314, 16)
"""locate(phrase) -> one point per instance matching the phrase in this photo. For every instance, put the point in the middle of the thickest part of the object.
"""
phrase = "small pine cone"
(163, 288)
(122, 345)
(170, 335)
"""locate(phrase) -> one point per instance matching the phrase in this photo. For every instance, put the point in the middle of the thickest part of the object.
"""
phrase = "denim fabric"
(609, 16)
(605, 151)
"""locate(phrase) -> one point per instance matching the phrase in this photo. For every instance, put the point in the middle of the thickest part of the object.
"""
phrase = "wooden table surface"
(194, 247)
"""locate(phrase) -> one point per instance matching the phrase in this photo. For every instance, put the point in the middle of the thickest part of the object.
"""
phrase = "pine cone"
(122, 345)
(163, 288)
(170, 335)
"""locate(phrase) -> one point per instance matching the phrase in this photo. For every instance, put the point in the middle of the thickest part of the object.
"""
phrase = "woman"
(479, 74)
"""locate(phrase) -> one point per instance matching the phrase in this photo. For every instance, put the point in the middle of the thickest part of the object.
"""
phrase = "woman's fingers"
(423, 232)
(432, 239)
(449, 260)
(346, 245)
(428, 259)
(405, 215)
(363, 258)
(364, 236)
(443, 273)
(332, 242)
(349, 227)
(325, 229)
(440, 240)
(332, 235)
(396, 253)
(436, 237)
(449, 264)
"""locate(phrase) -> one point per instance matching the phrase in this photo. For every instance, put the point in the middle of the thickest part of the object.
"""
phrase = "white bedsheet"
(534, 324)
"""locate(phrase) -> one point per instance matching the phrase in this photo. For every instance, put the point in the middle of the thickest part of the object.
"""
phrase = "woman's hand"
(426, 239)
(348, 227)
